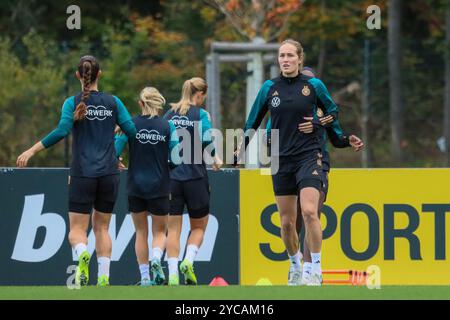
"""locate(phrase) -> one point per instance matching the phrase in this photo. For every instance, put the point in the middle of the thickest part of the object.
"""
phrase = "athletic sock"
(80, 248)
(156, 254)
(307, 266)
(145, 271)
(191, 252)
(316, 262)
(103, 266)
(173, 266)
(295, 261)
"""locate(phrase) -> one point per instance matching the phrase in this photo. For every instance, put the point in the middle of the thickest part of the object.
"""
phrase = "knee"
(309, 213)
(141, 232)
(100, 227)
(76, 231)
(160, 227)
(288, 225)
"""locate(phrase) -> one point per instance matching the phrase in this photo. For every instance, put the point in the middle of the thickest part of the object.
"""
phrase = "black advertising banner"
(34, 226)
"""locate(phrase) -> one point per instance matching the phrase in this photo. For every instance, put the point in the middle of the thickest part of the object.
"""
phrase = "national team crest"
(319, 113)
(306, 91)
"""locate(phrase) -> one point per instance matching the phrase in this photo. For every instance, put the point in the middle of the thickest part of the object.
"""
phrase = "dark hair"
(88, 68)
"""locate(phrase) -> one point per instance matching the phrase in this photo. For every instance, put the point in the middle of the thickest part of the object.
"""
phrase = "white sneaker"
(295, 277)
(315, 279)
(306, 278)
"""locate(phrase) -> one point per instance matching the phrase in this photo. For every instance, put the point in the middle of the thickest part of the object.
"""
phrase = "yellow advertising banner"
(395, 219)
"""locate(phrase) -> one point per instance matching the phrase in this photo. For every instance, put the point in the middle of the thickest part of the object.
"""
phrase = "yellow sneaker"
(103, 281)
(82, 273)
(187, 269)
(174, 280)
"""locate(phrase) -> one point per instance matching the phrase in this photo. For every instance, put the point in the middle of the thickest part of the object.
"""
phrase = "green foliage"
(31, 98)
(163, 43)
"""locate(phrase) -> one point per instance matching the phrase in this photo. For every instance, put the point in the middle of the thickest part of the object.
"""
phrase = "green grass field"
(227, 293)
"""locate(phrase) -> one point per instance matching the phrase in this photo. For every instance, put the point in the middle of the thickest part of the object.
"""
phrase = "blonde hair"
(300, 52)
(151, 101)
(190, 88)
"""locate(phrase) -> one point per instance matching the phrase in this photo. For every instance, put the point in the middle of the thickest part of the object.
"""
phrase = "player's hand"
(326, 120)
(120, 165)
(236, 158)
(22, 160)
(237, 153)
(306, 127)
(118, 131)
(356, 143)
(217, 163)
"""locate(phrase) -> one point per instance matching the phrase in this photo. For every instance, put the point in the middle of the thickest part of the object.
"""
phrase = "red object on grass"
(218, 282)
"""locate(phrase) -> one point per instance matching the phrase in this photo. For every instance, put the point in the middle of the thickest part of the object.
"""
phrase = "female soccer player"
(94, 176)
(148, 180)
(289, 98)
(330, 129)
(189, 181)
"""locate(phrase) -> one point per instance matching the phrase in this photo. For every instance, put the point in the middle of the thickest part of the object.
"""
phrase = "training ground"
(227, 293)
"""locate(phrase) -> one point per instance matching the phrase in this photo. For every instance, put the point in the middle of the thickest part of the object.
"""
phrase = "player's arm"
(120, 141)
(174, 147)
(324, 102)
(256, 115)
(337, 136)
(207, 139)
(124, 119)
(324, 98)
(204, 128)
(341, 140)
(257, 112)
(64, 127)
(269, 130)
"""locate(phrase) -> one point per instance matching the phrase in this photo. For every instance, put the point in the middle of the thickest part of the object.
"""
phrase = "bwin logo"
(182, 122)
(121, 232)
(153, 137)
(97, 112)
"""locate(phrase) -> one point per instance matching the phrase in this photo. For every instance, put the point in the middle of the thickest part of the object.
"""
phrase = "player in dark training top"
(330, 130)
(94, 176)
(189, 181)
(292, 98)
(152, 151)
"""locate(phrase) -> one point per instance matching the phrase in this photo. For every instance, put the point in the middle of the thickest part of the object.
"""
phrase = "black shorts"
(294, 175)
(156, 206)
(99, 192)
(192, 193)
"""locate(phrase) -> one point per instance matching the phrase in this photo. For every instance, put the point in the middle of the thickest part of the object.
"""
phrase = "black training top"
(194, 131)
(289, 100)
(151, 154)
(93, 152)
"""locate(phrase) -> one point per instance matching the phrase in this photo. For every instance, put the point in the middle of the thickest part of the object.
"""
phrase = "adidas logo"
(315, 173)
(275, 94)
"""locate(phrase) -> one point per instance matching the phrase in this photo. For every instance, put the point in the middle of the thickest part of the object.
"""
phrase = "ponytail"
(190, 88)
(88, 70)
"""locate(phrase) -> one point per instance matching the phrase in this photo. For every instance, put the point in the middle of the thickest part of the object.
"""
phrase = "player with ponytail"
(91, 116)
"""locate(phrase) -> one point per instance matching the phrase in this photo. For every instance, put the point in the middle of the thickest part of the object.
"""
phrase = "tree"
(395, 80)
(447, 87)
(258, 18)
